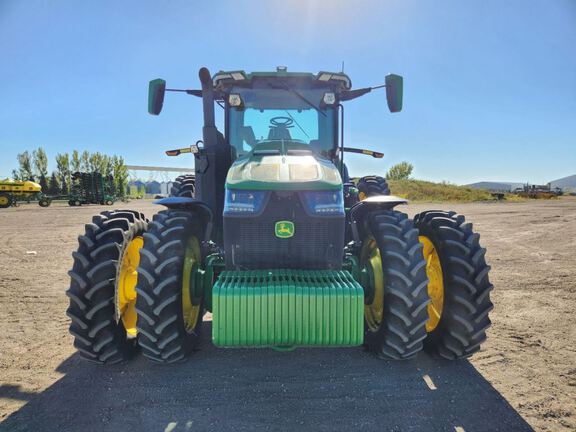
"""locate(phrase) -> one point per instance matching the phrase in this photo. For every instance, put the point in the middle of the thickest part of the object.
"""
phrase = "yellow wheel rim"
(127, 279)
(3, 200)
(190, 311)
(435, 283)
(371, 261)
(361, 196)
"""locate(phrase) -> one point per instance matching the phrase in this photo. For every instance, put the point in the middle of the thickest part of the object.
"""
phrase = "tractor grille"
(251, 243)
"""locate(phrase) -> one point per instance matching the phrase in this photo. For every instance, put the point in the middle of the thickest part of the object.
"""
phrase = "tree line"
(33, 166)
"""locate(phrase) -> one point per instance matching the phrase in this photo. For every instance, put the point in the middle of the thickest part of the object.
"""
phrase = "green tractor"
(274, 240)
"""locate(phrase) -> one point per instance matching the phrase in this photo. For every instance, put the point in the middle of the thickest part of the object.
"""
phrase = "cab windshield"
(280, 114)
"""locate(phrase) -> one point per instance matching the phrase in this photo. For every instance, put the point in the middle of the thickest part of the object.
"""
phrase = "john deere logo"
(284, 229)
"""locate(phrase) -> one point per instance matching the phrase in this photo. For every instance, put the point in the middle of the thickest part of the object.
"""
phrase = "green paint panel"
(267, 308)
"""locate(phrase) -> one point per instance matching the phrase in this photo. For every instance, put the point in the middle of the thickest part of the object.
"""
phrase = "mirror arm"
(372, 153)
(197, 93)
(353, 94)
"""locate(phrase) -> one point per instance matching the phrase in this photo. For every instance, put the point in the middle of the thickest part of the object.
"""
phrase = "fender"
(378, 202)
(191, 204)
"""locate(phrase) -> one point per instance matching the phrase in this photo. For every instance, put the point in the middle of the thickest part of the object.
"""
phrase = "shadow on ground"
(306, 389)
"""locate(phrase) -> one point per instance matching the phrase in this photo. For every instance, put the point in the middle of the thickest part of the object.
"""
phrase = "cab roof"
(338, 81)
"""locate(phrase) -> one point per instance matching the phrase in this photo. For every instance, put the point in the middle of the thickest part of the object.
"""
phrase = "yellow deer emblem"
(284, 229)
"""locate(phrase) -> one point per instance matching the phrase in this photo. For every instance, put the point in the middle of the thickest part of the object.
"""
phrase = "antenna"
(342, 66)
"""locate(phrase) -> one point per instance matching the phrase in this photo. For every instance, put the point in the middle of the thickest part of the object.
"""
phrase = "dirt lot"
(525, 375)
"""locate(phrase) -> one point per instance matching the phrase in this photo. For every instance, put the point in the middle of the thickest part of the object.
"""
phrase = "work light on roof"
(329, 76)
(222, 76)
(238, 76)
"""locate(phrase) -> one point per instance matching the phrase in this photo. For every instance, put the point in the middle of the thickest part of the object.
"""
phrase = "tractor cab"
(271, 110)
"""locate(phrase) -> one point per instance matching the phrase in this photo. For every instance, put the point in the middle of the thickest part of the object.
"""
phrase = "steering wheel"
(285, 122)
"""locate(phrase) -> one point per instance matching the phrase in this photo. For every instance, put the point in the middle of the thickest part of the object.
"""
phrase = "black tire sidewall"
(187, 341)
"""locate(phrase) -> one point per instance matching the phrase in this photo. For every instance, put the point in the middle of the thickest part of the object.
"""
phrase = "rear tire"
(466, 286)
(164, 336)
(184, 186)
(44, 202)
(399, 332)
(98, 335)
(372, 186)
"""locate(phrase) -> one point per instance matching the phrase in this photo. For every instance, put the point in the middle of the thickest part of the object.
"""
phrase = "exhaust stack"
(213, 162)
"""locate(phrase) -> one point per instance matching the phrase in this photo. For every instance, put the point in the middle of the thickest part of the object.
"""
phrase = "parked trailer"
(87, 188)
(91, 188)
(11, 191)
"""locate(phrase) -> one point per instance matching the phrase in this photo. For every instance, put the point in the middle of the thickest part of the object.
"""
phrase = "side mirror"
(394, 92)
(156, 90)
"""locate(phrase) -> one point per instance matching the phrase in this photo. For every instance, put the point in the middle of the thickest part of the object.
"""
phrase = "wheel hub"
(191, 293)
(127, 280)
(372, 277)
(435, 283)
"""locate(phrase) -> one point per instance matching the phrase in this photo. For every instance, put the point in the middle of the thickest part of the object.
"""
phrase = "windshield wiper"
(297, 124)
(301, 96)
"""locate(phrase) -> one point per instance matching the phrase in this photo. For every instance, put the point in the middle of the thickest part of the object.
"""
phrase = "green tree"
(43, 182)
(25, 166)
(94, 161)
(401, 171)
(133, 191)
(15, 175)
(53, 185)
(85, 161)
(63, 169)
(108, 165)
(120, 173)
(101, 163)
(75, 162)
(40, 163)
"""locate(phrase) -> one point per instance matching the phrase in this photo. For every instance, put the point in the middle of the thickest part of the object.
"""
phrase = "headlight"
(324, 203)
(244, 202)
(329, 98)
(235, 100)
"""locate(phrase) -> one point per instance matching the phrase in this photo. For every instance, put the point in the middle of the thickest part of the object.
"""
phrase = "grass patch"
(419, 190)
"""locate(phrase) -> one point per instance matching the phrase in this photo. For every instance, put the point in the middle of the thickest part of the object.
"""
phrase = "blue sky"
(490, 86)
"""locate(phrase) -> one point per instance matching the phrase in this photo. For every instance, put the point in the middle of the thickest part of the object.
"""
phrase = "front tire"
(395, 310)
(101, 333)
(169, 310)
(459, 312)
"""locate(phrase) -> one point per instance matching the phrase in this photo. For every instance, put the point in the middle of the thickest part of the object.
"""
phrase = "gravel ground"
(524, 377)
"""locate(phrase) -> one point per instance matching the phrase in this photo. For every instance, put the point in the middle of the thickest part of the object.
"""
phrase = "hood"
(283, 165)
